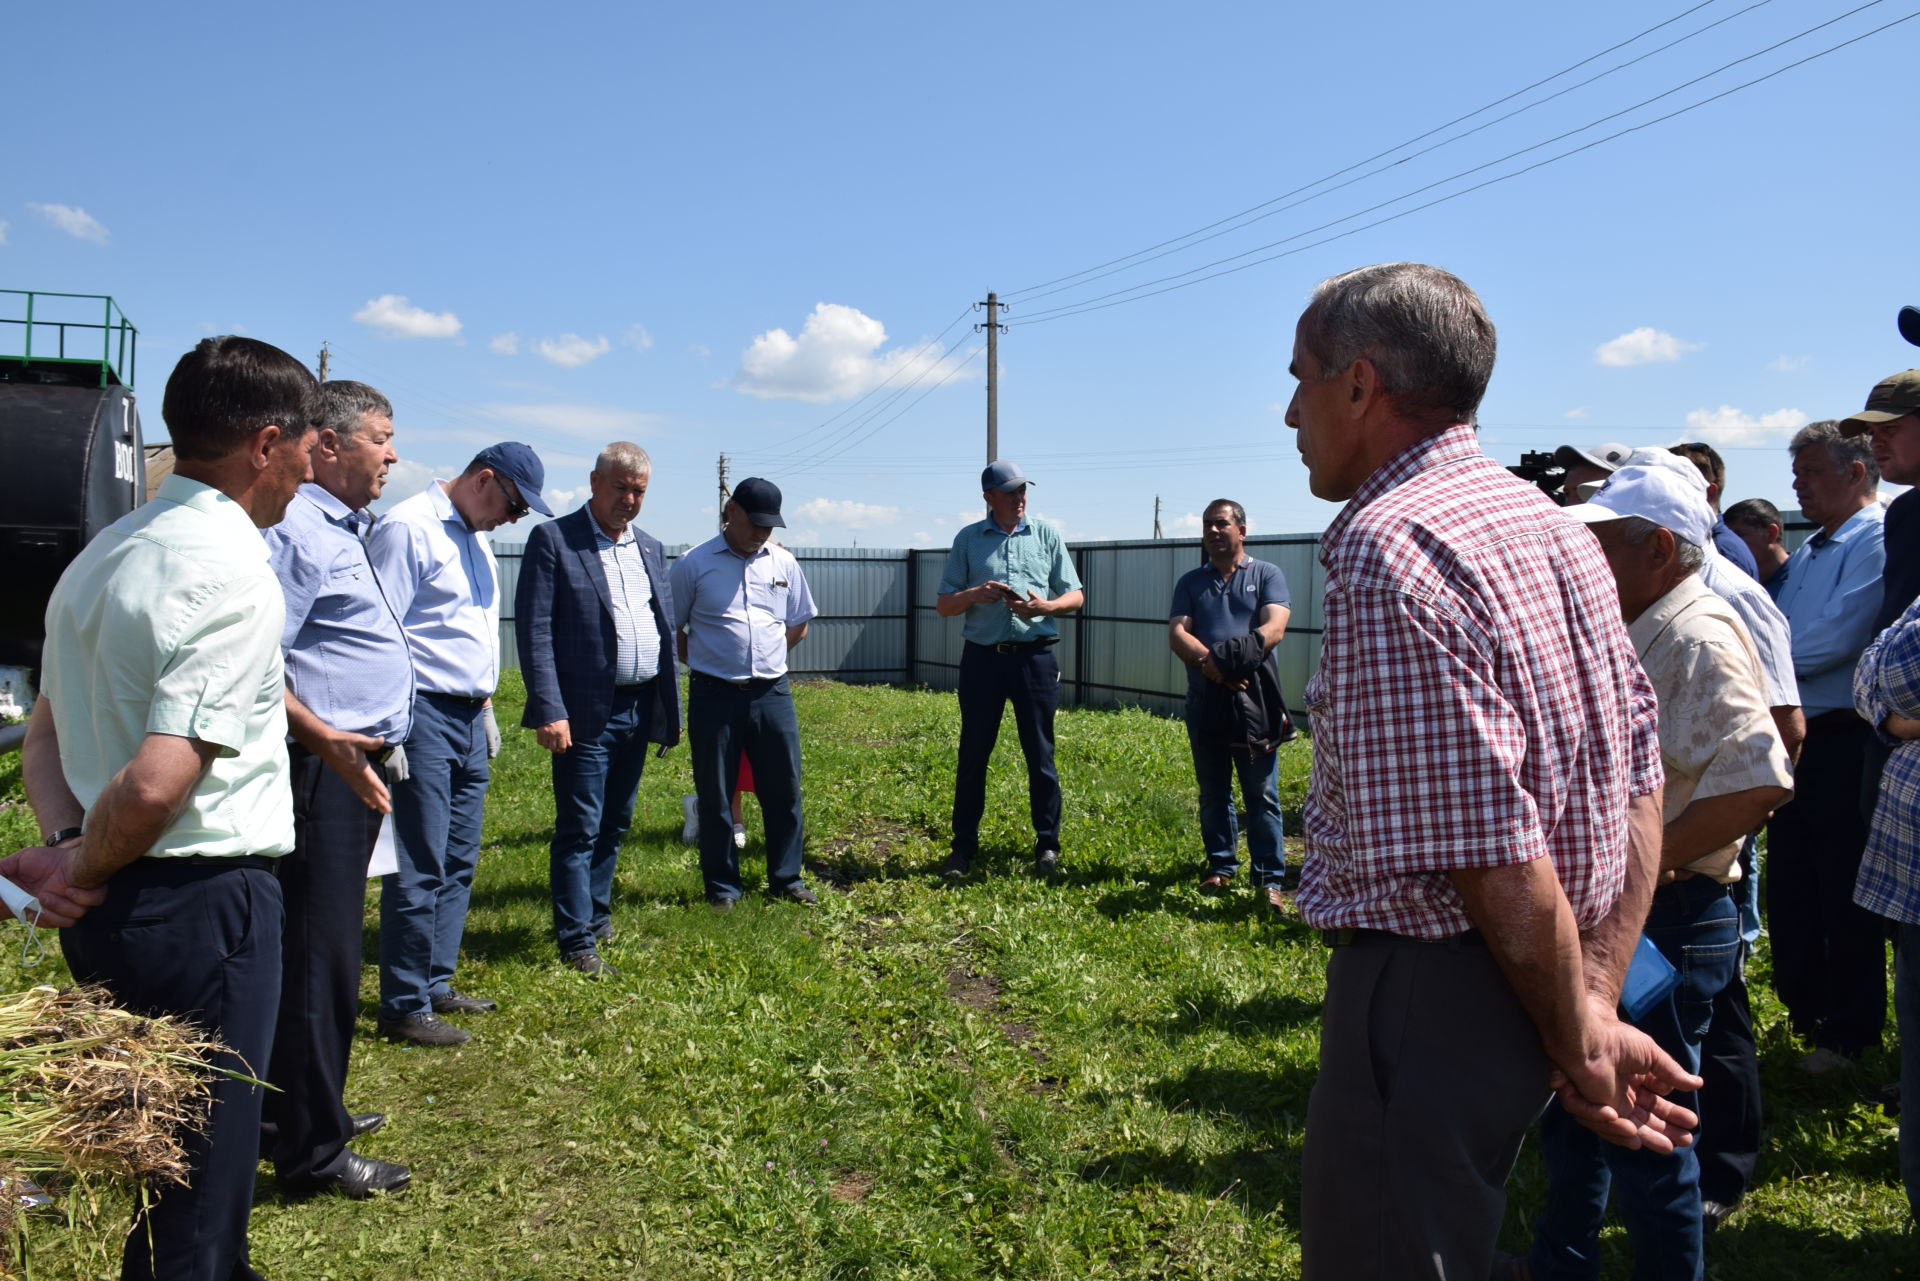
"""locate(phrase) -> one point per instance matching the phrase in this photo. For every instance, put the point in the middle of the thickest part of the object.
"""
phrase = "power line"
(1098, 303)
(1394, 164)
(789, 457)
(951, 375)
(1377, 155)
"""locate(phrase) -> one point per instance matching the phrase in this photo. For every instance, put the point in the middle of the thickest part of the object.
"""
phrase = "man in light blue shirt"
(1829, 955)
(349, 695)
(740, 603)
(1010, 577)
(161, 731)
(436, 567)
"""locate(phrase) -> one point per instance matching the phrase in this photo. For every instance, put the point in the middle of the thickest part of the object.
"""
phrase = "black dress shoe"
(797, 893)
(1046, 862)
(424, 1029)
(452, 1002)
(957, 866)
(359, 1177)
(590, 964)
(367, 1122)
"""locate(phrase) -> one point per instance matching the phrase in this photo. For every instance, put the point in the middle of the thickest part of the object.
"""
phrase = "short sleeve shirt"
(1030, 559)
(1226, 607)
(736, 609)
(169, 622)
(1716, 734)
(1477, 704)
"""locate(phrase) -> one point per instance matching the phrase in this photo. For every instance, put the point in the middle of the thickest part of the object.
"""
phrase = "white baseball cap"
(1657, 493)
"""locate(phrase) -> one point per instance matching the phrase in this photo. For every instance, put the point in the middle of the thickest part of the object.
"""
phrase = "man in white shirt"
(740, 603)
(433, 560)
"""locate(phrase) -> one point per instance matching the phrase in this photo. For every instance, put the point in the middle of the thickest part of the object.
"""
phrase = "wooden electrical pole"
(323, 362)
(725, 493)
(993, 328)
(1156, 517)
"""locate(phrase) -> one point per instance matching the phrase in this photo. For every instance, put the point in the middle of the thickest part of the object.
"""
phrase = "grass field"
(1101, 1076)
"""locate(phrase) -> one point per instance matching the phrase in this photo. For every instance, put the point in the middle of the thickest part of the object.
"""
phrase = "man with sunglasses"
(433, 561)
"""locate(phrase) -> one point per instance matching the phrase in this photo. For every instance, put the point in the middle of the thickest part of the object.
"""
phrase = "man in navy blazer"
(591, 618)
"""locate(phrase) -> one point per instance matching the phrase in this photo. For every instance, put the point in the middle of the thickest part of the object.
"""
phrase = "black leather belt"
(1345, 936)
(458, 700)
(1016, 647)
(752, 682)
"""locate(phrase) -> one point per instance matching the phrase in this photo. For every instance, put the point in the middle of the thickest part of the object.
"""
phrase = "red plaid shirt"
(1477, 702)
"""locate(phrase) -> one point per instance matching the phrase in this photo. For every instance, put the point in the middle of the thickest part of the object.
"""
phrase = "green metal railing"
(119, 340)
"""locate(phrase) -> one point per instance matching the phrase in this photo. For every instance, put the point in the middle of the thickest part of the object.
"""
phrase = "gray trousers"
(1430, 1075)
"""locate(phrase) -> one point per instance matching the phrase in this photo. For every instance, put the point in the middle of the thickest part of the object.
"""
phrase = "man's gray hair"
(347, 404)
(1842, 451)
(623, 458)
(1636, 530)
(1239, 512)
(1423, 328)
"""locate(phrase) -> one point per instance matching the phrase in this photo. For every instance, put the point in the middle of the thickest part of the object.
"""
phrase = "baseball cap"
(1657, 493)
(1608, 456)
(1003, 476)
(519, 464)
(759, 500)
(1891, 398)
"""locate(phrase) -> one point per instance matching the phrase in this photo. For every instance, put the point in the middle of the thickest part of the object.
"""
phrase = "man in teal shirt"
(1010, 577)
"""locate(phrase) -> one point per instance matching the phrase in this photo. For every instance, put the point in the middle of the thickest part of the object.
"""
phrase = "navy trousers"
(324, 882)
(196, 940)
(1029, 678)
(724, 720)
(436, 826)
(594, 783)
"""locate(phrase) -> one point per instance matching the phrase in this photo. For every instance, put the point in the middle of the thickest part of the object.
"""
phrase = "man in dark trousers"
(1231, 596)
(159, 746)
(349, 698)
(591, 619)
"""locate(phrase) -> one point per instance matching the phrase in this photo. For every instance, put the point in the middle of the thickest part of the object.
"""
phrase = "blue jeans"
(1214, 765)
(594, 783)
(1906, 1010)
(436, 828)
(724, 720)
(1029, 678)
(1695, 925)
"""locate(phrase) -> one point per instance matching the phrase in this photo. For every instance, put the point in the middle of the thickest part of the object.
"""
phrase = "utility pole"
(1156, 517)
(994, 329)
(725, 493)
(323, 362)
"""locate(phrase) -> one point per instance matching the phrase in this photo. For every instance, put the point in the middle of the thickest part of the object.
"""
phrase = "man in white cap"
(1726, 767)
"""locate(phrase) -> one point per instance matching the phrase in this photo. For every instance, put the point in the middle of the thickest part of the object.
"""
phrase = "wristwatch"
(64, 834)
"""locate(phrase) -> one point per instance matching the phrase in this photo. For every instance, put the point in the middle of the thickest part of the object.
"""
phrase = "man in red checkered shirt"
(1483, 824)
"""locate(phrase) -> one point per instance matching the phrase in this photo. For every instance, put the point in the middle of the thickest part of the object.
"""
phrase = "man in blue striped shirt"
(590, 617)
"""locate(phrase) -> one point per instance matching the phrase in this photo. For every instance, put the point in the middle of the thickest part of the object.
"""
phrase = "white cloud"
(394, 317)
(564, 500)
(1187, 526)
(1729, 426)
(571, 350)
(698, 350)
(637, 338)
(1643, 346)
(507, 344)
(1580, 411)
(921, 538)
(847, 514)
(404, 478)
(1784, 364)
(594, 422)
(800, 538)
(73, 220)
(836, 356)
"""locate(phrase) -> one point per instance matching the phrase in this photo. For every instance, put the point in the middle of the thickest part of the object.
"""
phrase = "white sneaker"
(739, 836)
(690, 810)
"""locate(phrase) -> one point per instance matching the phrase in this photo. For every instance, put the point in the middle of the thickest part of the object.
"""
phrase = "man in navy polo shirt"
(1231, 596)
(1011, 577)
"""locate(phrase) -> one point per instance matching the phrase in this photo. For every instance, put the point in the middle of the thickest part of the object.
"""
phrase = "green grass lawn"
(1102, 1076)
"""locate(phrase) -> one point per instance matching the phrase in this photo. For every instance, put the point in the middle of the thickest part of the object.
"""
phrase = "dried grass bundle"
(89, 1092)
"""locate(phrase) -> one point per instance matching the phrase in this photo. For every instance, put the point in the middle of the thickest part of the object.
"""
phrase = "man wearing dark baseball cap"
(740, 603)
(1011, 577)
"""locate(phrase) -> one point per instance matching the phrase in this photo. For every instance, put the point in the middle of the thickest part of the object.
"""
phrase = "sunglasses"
(516, 508)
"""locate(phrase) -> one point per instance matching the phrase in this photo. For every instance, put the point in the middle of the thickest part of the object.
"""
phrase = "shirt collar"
(1643, 631)
(1244, 561)
(204, 497)
(1452, 445)
(443, 504)
(1872, 514)
(332, 508)
(600, 535)
(1019, 527)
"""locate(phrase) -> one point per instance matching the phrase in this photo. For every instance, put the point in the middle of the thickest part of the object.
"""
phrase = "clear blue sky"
(712, 227)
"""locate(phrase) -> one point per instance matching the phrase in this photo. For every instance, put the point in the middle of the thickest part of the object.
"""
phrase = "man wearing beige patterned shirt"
(1726, 768)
